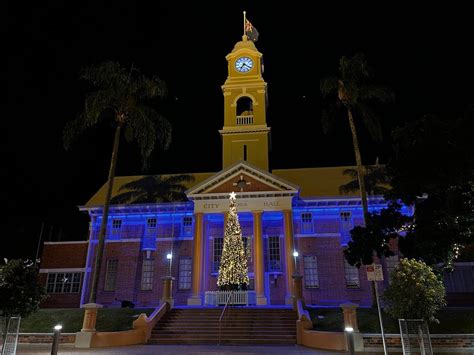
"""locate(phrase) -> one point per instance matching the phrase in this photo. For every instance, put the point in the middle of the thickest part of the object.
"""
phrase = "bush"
(20, 293)
(415, 292)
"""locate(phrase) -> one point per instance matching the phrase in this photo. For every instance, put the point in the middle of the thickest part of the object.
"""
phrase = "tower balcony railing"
(244, 120)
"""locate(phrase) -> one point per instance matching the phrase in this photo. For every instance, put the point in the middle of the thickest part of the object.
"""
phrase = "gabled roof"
(244, 177)
(318, 182)
(307, 182)
(99, 197)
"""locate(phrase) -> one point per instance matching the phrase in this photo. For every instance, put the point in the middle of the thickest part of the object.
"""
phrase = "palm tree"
(154, 188)
(353, 92)
(119, 96)
(376, 180)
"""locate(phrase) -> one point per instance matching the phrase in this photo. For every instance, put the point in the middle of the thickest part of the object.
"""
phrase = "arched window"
(244, 111)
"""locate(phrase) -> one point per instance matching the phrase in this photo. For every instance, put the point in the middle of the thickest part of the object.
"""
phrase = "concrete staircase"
(239, 326)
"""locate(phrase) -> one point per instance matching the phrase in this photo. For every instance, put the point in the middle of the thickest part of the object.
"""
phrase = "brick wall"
(440, 341)
(332, 283)
(32, 338)
(60, 256)
(64, 255)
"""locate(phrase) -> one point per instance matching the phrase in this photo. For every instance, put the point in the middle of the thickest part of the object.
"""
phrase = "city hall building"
(280, 211)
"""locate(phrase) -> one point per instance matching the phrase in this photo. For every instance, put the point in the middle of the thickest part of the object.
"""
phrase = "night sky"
(424, 55)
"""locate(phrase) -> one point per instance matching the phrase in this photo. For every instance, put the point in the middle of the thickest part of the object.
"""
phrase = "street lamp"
(350, 339)
(295, 255)
(57, 333)
(169, 256)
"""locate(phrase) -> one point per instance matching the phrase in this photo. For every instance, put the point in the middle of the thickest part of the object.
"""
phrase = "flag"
(251, 31)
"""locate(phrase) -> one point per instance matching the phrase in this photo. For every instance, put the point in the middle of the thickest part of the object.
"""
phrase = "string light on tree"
(233, 269)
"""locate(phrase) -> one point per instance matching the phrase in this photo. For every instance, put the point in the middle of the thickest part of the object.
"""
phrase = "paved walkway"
(175, 350)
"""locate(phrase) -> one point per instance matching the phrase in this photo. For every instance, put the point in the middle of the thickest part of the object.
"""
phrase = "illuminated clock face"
(244, 64)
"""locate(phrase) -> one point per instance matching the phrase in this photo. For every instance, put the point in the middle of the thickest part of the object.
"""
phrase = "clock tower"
(245, 135)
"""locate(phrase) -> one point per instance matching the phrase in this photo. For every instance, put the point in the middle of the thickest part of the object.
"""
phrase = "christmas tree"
(233, 270)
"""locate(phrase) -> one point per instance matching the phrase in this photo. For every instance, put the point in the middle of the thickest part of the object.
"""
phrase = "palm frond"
(163, 131)
(177, 196)
(146, 88)
(72, 130)
(370, 121)
(329, 86)
(154, 188)
(144, 183)
(375, 178)
(351, 186)
(350, 172)
(329, 117)
(379, 93)
(179, 179)
(355, 69)
(96, 104)
(124, 198)
(140, 120)
(106, 75)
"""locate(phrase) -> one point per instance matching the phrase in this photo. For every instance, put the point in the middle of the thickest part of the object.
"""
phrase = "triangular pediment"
(244, 179)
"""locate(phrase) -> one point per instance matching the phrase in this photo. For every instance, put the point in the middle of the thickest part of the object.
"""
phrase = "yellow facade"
(245, 135)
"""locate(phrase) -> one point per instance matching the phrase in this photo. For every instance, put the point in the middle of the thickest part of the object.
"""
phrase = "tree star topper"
(232, 195)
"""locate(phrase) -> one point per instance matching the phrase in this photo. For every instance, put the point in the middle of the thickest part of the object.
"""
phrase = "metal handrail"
(222, 314)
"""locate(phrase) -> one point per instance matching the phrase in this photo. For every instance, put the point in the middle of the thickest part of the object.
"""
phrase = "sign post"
(374, 274)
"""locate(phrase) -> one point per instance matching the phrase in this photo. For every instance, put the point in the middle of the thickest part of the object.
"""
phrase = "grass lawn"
(109, 319)
(451, 320)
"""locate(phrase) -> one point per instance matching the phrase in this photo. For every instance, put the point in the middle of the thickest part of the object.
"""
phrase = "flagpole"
(245, 18)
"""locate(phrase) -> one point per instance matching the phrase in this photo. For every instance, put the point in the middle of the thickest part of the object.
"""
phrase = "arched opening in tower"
(244, 111)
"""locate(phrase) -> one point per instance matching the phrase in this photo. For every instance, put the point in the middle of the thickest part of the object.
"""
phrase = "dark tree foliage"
(125, 97)
(355, 93)
(155, 188)
(374, 239)
(122, 97)
(20, 292)
(433, 169)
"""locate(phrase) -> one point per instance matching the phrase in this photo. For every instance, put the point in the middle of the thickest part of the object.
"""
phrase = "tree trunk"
(361, 179)
(360, 168)
(105, 217)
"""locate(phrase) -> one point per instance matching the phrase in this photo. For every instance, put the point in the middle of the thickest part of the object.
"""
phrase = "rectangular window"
(274, 257)
(76, 282)
(345, 215)
(352, 275)
(111, 275)
(185, 273)
(245, 152)
(346, 225)
(187, 225)
(307, 217)
(116, 228)
(306, 222)
(61, 282)
(58, 288)
(50, 283)
(311, 278)
(147, 274)
(217, 253)
(151, 223)
(149, 239)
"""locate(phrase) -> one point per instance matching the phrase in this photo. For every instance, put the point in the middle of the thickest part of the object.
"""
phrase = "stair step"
(228, 331)
(239, 326)
(223, 341)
